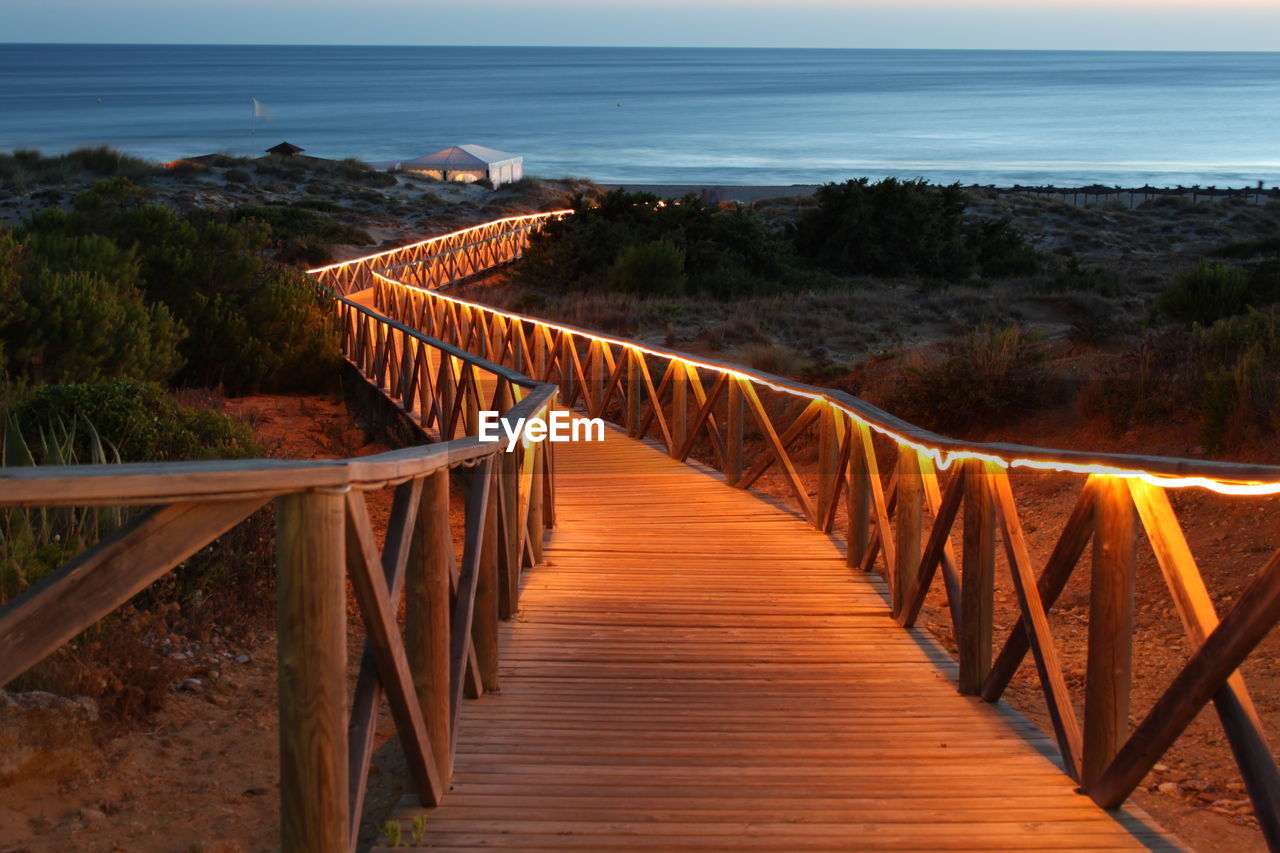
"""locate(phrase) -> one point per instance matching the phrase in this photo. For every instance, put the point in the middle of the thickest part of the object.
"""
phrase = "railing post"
(567, 353)
(828, 459)
(447, 394)
(906, 526)
(858, 536)
(1111, 604)
(484, 631)
(518, 342)
(311, 602)
(534, 523)
(539, 353)
(548, 486)
(595, 406)
(509, 466)
(679, 405)
(633, 390)
(427, 611)
(733, 427)
(471, 401)
(977, 579)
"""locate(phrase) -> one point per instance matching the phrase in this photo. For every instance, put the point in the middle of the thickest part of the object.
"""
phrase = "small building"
(466, 163)
(285, 149)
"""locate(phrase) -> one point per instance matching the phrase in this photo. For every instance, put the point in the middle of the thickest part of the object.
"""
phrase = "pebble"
(92, 816)
(1169, 788)
(193, 684)
(243, 659)
(1160, 768)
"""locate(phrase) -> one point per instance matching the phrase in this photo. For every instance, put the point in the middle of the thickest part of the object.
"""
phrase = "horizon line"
(628, 47)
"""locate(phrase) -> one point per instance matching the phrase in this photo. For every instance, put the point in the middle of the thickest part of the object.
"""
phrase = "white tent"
(467, 163)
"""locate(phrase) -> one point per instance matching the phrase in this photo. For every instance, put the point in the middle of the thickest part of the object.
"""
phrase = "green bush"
(650, 269)
(1074, 276)
(901, 228)
(989, 377)
(73, 311)
(24, 170)
(1241, 398)
(238, 176)
(725, 252)
(140, 420)
(1000, 250)
(1227, 374)
(1210, 291)
(289, 222)
(250, 324)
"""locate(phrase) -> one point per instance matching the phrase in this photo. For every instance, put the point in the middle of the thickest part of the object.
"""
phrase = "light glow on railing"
(942, 458)
(531, 217)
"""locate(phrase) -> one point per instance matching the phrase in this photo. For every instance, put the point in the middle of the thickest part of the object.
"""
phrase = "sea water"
(674, 115)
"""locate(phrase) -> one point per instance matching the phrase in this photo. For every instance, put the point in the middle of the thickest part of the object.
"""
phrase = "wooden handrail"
(469, 251)
(879, 420)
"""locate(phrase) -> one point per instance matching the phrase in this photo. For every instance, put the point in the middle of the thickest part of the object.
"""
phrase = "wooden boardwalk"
(694, 668)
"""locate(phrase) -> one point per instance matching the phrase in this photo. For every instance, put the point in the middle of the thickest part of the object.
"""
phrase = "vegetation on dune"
(990, 376)
(1211, 291)
(902, 228)
(301, 167)
(118, 662)
(635, 243)
(197, 283)
(24, 170)
(299, 233)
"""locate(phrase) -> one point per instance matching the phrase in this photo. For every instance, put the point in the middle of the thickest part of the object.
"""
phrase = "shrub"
(900, 228)
(24, 170)
(289, 222)
(1210, 291)
(1227, 374)
(1241, 398)
(1074, 276)
(1151, 382)
(725, 252)
(654, 268)
(140, 420)
(989, 377)
(303, 252)
(250, 324)
(73, 310)
(1000, 250)
(237, 176)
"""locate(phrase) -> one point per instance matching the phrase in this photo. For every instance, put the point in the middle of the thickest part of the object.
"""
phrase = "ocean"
(674, 115)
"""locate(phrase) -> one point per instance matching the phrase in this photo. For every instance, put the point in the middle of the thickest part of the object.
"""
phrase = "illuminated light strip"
(529, 217)
(942, 458)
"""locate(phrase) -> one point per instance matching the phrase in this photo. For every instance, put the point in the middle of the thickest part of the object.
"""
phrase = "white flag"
(259, 111)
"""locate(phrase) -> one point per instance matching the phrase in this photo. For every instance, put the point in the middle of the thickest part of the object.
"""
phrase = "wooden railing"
(325, 537)
(445, 259)
(899, 491)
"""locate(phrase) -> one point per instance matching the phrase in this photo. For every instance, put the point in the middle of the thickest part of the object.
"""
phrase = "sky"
(957, 24)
